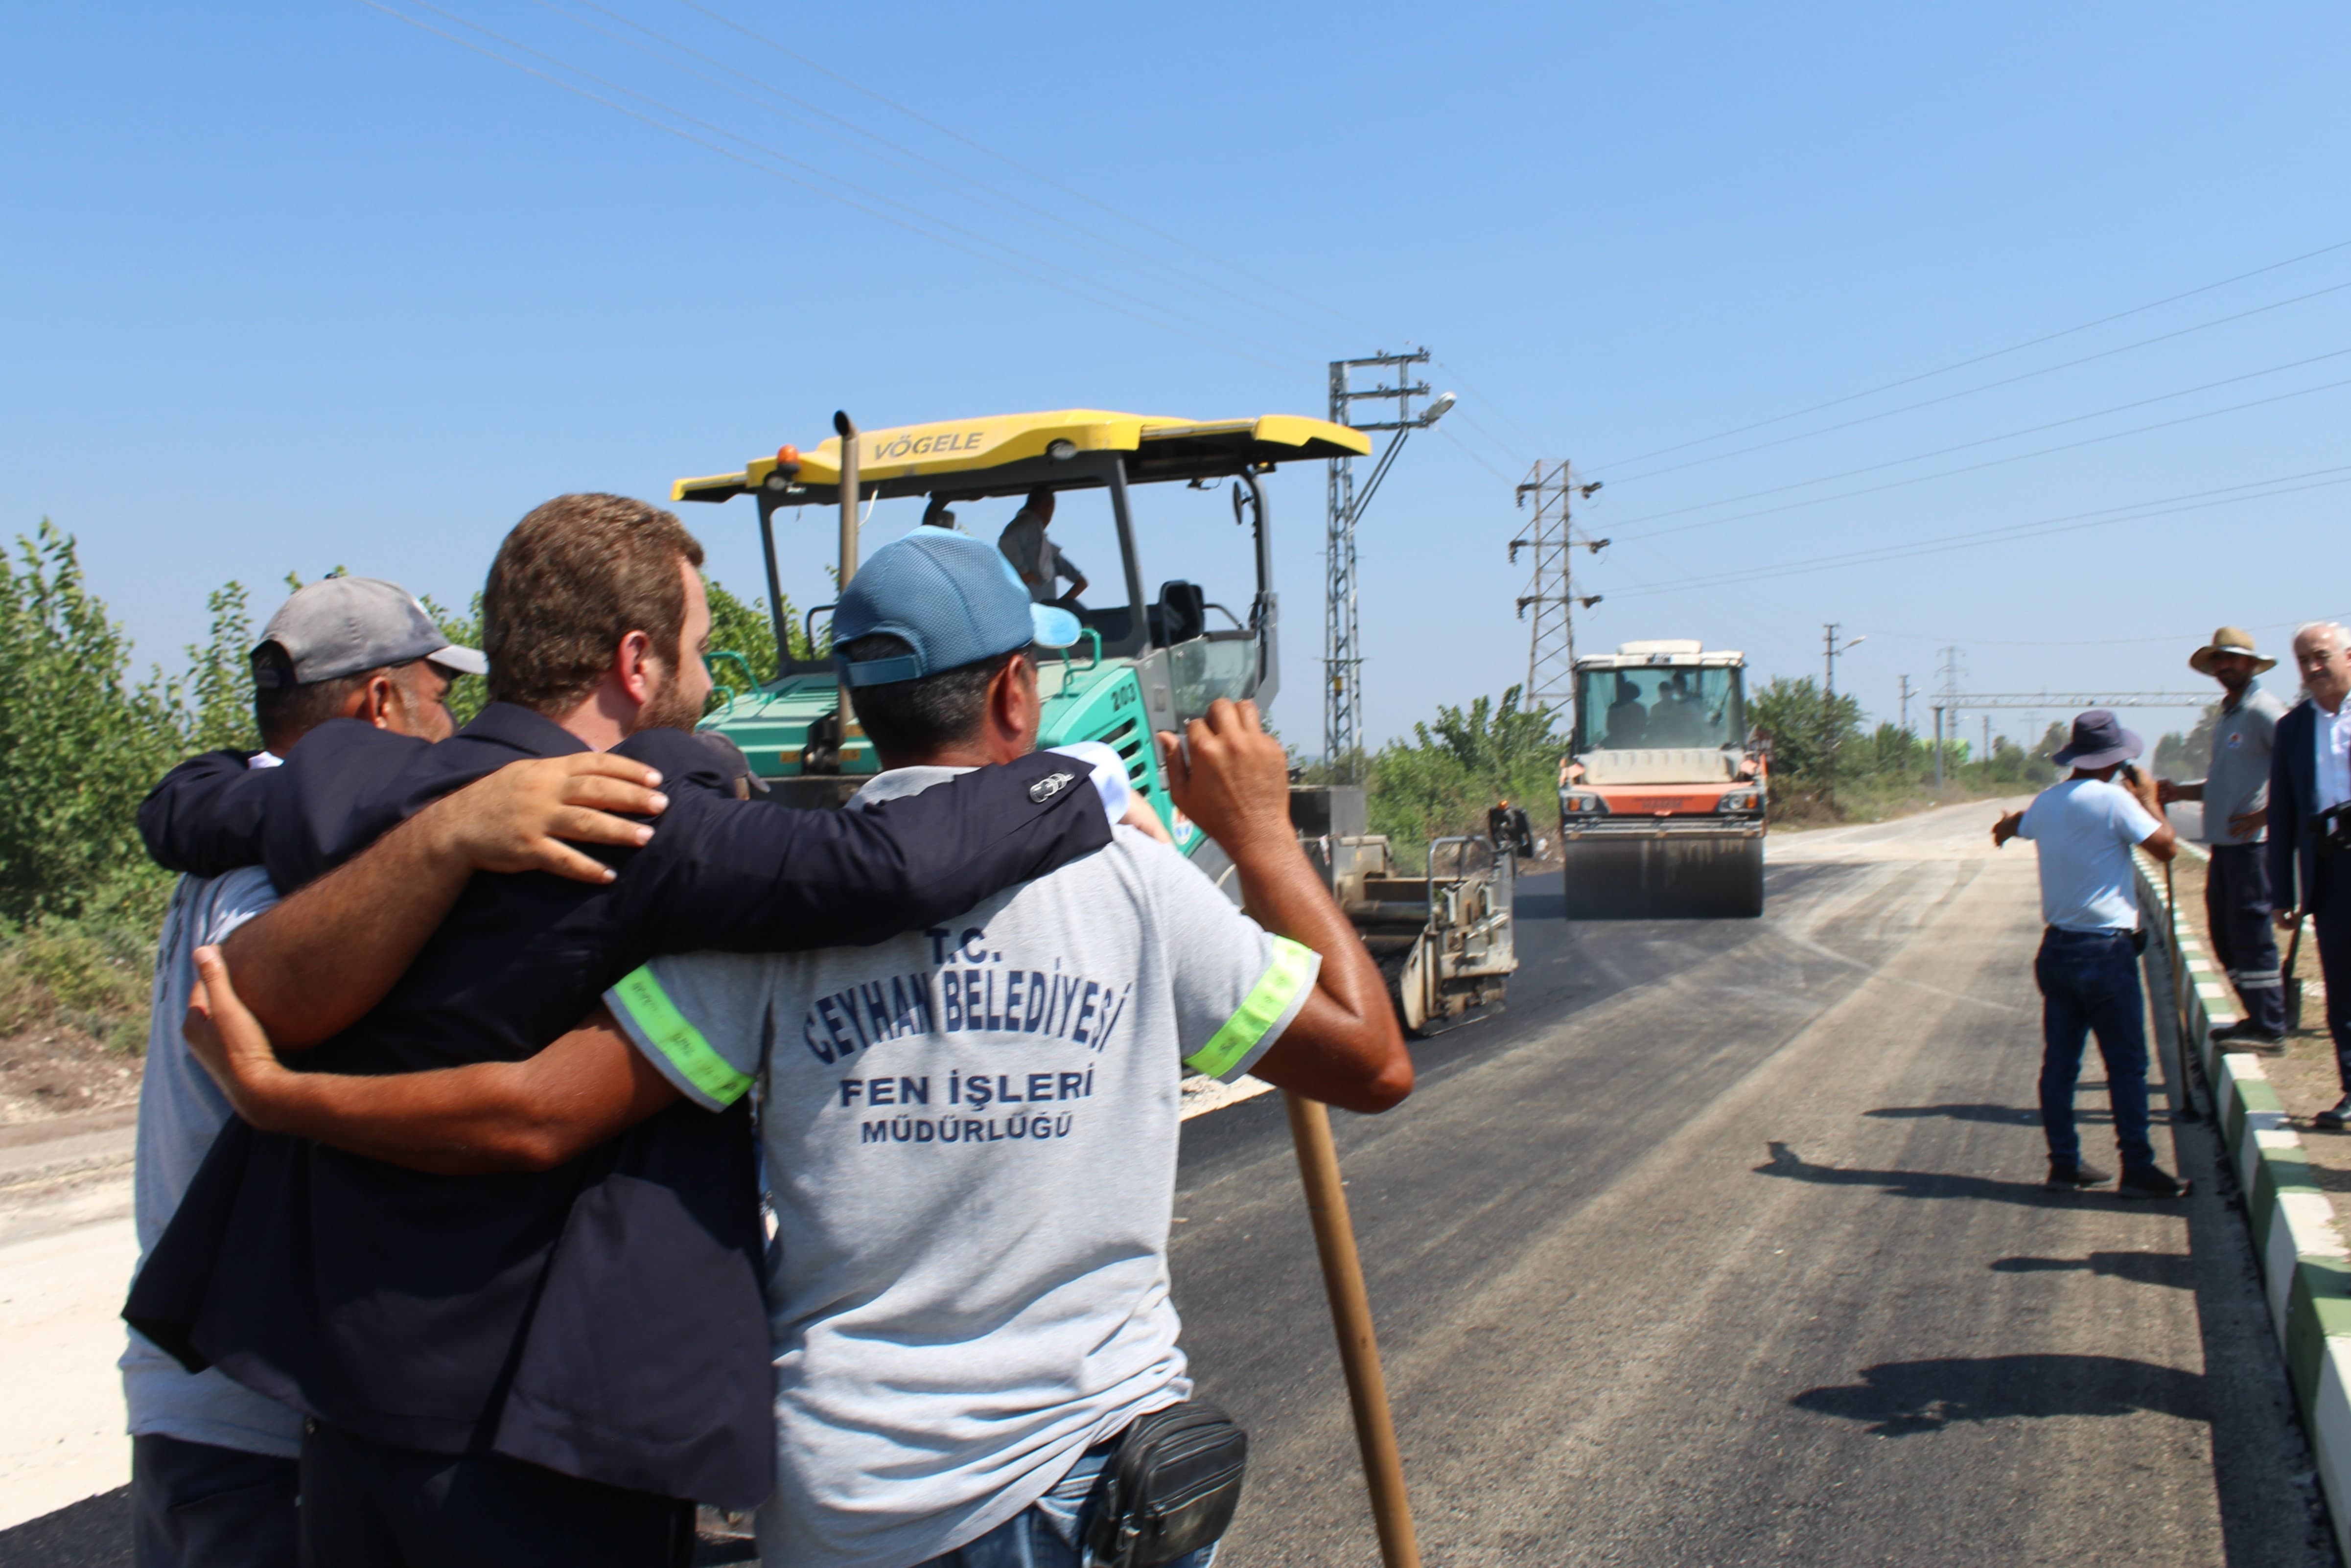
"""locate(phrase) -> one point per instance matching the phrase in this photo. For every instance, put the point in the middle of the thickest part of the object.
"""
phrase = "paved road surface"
(1726, 1246)
(66, 1253)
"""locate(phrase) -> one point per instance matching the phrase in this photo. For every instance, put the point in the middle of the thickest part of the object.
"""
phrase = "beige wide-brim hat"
(2229, 640)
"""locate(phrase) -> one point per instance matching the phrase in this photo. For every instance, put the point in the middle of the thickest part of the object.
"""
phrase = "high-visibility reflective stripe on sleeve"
(1274, 1002)
(659, 1024)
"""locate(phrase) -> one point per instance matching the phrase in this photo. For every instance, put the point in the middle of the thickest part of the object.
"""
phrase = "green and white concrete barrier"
(2305, 1268)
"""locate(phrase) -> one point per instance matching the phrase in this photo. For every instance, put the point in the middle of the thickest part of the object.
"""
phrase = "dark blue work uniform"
(603, 1319)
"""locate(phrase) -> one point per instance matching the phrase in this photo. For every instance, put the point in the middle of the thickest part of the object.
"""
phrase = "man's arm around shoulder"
(587, 1088)
(753, 876)
(204, 818)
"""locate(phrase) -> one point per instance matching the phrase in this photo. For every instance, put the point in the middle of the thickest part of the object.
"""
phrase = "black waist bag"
(1170, 1487)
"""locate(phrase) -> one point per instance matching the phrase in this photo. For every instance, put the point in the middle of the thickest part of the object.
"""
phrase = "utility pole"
(1948, 713)
(1829, 649)
(1905, 704)
(1551, 644)
(1343, 702)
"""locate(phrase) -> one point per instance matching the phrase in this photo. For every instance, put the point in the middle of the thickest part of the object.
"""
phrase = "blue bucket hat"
(2099, 739)
(953, 598)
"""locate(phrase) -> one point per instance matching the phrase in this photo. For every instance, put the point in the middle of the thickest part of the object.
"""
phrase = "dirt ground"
(2305, 1077)
(58, 1071)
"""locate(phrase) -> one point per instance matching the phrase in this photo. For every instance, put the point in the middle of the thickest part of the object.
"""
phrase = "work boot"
(2336, 1117)
(2243, 1036)
(2154, 1181)
(2066, 1178)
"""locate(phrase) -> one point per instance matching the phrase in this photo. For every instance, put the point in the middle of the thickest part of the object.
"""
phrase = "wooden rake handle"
(1351, 1316)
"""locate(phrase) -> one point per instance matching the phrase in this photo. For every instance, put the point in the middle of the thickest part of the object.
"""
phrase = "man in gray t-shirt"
(971, 1131)
(971, 1136)
(2235, 792)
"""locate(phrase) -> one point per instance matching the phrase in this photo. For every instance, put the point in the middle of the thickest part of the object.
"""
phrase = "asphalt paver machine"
(1148, 661)
(1661, 802)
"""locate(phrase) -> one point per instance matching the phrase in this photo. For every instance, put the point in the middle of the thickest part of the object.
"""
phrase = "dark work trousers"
(367, 1504)
(197, 1506)
(2330, 920)
(2237, 909)
(2089, 982)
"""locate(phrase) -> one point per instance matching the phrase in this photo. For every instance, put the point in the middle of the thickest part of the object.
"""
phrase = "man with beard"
(2235, 794)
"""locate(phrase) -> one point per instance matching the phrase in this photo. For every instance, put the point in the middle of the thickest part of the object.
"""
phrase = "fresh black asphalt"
(1726, 1245)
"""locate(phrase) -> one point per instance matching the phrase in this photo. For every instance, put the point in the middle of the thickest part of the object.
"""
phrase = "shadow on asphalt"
(92, 1533)
(2175, 1269)
(96, 1533)
(2005, 1114)
(1785, 1162)
(2002, 1115)
(1903, 1397)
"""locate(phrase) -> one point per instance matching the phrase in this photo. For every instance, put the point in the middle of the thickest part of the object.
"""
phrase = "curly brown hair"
(575, 576)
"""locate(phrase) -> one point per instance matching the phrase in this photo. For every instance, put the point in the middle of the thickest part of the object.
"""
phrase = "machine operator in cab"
(1037, 558)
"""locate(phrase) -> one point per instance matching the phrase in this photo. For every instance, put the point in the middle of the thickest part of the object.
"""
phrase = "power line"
(1470, 455)
(1534, 441)
(2008, 533)
(958, 182)
(1986, 386)
(1015, 164)
(2089, 642)
(798, 163)
(1992, 462)
(1321, 308)
(1980, 359)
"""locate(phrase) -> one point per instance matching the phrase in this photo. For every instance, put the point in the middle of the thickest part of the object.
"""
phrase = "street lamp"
(1439, 407)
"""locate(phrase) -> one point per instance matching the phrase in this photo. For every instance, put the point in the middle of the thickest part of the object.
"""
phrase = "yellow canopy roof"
(910, 458)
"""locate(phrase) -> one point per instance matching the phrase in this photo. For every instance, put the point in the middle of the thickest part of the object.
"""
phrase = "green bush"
(86, 739)
(741, 627)
(88, 974)
(1444, 779)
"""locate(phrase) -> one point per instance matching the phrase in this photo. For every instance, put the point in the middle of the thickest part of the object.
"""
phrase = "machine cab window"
(1658, 708)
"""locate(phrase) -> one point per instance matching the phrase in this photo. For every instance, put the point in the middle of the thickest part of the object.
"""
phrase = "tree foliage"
(1445, 778)
(87, 736)
(2185, 756)
(1814, 736)
(85, 739)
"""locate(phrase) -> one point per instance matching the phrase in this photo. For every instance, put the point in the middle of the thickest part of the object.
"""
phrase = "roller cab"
(1661, 802)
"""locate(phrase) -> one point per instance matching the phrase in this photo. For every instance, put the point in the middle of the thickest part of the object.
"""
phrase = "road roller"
(1661, 800)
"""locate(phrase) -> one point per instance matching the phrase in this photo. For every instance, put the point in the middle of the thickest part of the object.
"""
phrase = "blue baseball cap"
(953, 598)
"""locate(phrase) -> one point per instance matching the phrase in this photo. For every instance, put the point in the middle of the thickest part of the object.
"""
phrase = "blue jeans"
(1046, 1535)
(2089, 982)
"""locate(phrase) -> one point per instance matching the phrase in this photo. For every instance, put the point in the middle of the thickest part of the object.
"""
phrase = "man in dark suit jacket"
(2310, 773)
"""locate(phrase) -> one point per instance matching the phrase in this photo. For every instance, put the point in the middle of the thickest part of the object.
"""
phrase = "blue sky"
(293, 286)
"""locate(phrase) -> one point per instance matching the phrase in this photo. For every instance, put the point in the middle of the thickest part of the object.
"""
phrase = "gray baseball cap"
(347, 624)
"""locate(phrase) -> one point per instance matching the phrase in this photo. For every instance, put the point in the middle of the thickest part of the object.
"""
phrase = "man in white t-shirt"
(970, 1131)
(214, 1472)
(2087, 969)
